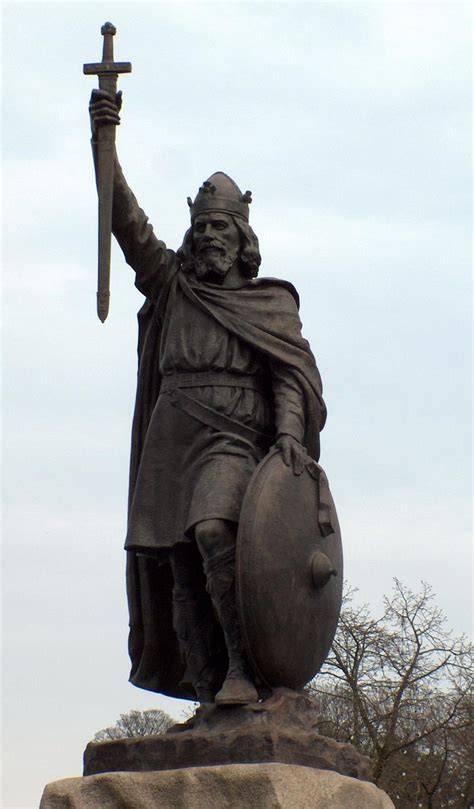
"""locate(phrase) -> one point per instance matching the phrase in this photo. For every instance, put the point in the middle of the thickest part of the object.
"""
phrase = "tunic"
(189, 471)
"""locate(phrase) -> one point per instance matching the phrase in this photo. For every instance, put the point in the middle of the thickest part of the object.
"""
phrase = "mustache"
(212, 244)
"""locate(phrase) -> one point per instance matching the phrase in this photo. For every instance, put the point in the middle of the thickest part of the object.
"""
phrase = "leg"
(216, 542)
(194, 623)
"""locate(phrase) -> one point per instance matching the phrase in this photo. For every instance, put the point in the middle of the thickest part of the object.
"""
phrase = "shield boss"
(289, 572)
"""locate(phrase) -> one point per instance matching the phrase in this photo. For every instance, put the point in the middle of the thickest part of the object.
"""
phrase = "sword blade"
(105, 169)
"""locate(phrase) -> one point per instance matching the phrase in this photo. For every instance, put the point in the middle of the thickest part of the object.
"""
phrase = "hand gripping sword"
(107, 71)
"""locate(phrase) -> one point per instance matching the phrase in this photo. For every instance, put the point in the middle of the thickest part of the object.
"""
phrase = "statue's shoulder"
(279, 285)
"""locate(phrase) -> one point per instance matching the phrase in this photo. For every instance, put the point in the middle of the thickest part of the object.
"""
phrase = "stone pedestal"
(264, 755)
(232, 786)
(282, 729)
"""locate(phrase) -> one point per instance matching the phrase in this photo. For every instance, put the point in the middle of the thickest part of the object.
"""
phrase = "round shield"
(288, 572)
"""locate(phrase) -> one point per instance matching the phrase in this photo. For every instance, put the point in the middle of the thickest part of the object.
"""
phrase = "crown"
(220, 193)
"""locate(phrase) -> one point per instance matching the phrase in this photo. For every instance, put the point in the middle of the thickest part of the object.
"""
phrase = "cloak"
(263, 314)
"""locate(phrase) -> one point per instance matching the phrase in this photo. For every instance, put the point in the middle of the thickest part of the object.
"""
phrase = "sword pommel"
(108, 28)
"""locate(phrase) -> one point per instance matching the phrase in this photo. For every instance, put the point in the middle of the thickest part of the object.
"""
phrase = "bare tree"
(400, 689)
(136, 723)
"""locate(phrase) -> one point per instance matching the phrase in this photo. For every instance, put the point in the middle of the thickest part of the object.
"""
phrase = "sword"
(107, 71)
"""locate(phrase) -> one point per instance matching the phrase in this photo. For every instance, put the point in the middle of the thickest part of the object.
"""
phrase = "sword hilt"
(107, 67)
(108, 31)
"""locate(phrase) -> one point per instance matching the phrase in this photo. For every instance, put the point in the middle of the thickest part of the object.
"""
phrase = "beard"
(213, 262)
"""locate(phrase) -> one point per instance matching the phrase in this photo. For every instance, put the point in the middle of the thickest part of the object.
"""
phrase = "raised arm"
(148, 256)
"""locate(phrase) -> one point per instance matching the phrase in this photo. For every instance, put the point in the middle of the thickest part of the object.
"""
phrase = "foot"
(237, 691)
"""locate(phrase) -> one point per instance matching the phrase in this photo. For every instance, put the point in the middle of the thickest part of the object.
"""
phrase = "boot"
(238, 688)
(194, 625)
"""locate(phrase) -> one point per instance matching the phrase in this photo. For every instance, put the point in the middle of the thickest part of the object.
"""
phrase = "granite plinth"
(233, 786)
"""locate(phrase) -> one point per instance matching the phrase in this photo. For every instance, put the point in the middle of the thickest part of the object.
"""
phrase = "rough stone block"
(282, 729)
(233, 786)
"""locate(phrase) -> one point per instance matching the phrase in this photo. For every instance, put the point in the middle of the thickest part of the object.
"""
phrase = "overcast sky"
(350, 123)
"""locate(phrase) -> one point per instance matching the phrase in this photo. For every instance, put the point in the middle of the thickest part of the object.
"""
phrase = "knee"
(211, 534)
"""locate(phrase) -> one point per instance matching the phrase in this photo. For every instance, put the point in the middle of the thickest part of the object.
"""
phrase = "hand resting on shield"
(294, 453)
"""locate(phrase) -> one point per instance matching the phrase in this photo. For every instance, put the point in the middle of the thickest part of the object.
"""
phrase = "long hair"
(249, 250)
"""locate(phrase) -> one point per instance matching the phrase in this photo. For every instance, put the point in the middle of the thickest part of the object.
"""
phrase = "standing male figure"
(224, 374)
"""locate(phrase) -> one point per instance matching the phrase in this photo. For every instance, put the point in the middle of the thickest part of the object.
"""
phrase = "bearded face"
(213, 261)
(216, 243)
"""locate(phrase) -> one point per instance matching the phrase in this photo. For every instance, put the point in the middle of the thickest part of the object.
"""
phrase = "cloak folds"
(263, 314)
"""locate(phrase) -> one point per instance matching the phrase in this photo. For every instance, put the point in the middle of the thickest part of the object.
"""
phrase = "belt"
(218, 421)
(210, 378)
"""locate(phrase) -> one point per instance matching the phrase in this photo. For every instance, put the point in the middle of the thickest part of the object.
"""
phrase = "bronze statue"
(224, 378)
